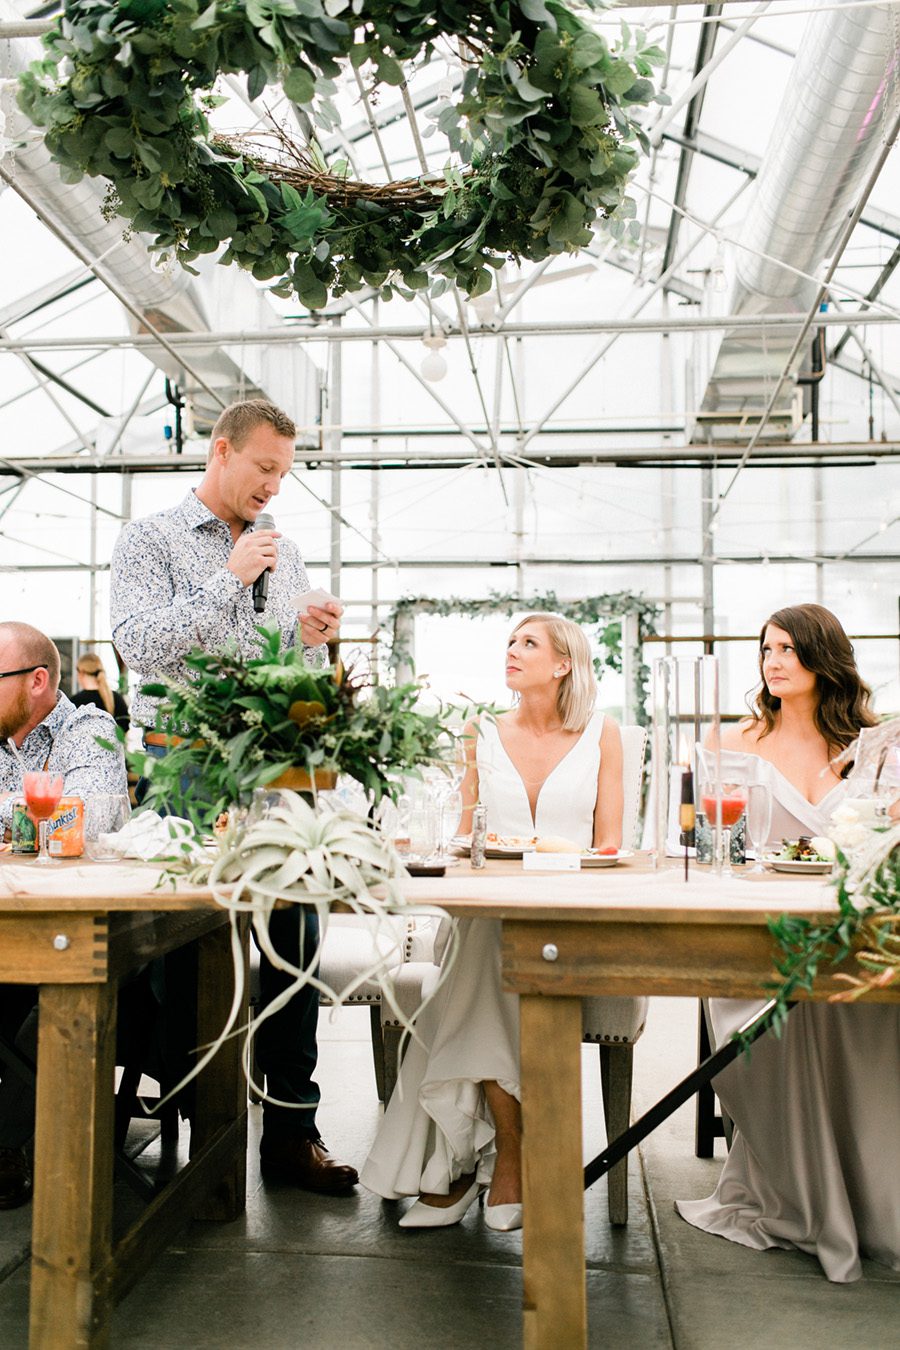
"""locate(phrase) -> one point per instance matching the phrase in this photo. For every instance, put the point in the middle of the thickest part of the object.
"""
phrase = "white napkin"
(115, 880)
(148, 835)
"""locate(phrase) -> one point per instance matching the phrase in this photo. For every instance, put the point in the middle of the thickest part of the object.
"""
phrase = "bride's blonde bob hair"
(577, 693)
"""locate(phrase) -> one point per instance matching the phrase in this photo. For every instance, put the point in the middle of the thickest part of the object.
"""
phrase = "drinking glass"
(424, 827)
(42, 794)
(105, 814)
(450, 815)
(723, 794)
(759, 821)
(685, 713)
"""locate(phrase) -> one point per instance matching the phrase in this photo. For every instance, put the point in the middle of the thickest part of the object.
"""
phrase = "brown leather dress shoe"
(15, 1178)
(308, 1164)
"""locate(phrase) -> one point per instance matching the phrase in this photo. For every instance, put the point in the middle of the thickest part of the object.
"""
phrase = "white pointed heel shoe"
(420, 1215)
(503, 1218)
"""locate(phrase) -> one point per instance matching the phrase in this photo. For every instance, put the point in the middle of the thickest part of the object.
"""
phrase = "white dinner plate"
(592, 859)
(812, 867)
(508, 847)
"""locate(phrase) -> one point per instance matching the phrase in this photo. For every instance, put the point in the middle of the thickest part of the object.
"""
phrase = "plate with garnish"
(812, 856)
(595, 857)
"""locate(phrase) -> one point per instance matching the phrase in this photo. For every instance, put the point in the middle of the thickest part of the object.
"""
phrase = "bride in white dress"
(551, 766)
(813, 1162)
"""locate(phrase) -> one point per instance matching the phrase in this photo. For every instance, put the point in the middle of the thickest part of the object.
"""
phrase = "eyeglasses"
(26, 670)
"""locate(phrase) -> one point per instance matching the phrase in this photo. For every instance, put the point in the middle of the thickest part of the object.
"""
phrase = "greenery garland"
(603, 613)
(866, 926)
(543, 129)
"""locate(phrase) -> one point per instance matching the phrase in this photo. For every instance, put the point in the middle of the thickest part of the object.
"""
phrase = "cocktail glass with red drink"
(724, 782)
(42, 794)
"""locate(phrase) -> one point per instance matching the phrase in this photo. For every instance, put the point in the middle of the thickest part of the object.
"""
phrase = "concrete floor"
(313, 1271)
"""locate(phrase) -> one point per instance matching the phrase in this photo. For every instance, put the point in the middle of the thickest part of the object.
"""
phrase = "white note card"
(551, 862)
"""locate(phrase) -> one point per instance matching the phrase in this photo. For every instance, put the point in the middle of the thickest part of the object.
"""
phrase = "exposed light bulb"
(717, 269)
(434, 367)
(485, 306)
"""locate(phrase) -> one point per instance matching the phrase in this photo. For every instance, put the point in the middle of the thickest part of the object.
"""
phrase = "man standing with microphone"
(201, 574)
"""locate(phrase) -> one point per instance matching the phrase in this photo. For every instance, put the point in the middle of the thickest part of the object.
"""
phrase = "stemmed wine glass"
(42, 794)
(759, 821)
(444, 777)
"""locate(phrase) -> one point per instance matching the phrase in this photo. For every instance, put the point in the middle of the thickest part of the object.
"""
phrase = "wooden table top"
(502, 889)
(632, 890)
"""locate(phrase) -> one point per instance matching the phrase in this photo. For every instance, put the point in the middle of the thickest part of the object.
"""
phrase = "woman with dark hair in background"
(816, 1113)
(94, 688)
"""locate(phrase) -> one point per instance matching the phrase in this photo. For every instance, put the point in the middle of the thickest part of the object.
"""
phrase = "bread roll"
(554, 843)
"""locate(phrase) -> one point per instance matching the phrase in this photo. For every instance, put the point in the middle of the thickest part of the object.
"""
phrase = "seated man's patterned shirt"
(171, 590)
(65, 742)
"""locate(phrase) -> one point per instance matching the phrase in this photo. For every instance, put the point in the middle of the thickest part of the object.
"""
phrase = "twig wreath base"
(543, 133)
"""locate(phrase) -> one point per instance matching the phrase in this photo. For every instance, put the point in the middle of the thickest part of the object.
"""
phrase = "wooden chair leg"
(616, 1063)
(709, 1125)
(391, 1037)
(377, 1048)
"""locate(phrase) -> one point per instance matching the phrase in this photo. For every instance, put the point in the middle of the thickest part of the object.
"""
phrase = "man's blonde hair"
(35, 648)
(577, 693)
(238, 420)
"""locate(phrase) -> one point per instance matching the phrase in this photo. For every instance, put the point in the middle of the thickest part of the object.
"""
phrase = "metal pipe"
(836, 453)
(413, 333)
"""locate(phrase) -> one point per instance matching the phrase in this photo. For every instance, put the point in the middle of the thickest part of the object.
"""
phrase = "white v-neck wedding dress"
(814, 1160)
(437, 1126)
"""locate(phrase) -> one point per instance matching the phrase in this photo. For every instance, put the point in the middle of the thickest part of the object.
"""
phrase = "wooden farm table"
(622, 930)
(90, 925)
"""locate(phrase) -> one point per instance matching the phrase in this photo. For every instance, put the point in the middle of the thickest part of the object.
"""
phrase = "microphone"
(261, 585)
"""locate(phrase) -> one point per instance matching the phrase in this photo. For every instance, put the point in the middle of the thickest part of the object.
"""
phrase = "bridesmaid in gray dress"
(813, 1163)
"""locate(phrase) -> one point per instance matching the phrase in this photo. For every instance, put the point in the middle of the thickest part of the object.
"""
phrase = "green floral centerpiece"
(865, 927)
(239, 723)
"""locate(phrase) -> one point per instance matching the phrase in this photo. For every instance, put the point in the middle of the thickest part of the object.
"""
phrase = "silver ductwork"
(827, 133)
(220, 299)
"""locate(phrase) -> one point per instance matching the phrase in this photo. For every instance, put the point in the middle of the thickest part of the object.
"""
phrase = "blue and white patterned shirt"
(66, 742)
(171, 591)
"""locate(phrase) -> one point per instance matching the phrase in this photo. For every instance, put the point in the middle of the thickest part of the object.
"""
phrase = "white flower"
(850, 836)
(845, 815)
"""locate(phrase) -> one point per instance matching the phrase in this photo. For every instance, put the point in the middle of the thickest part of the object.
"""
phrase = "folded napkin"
(148, 835)
(116, 880)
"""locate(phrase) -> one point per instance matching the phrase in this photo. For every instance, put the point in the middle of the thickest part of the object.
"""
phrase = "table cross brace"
(679, 1094)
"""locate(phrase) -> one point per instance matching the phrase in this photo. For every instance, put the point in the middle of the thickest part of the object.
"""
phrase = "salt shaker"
(479, 835)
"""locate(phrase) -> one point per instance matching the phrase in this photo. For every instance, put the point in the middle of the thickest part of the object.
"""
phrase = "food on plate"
(508, 840)
(609, 852)
(805, 849)
(555, 843)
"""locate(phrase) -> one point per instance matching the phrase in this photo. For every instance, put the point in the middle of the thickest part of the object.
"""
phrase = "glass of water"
(105, 813)
(758, 821)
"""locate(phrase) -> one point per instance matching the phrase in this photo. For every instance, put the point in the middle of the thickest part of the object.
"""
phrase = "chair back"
(634, 742)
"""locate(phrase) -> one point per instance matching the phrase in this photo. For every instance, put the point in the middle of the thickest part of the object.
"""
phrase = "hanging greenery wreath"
(543, 130)
(602, 613)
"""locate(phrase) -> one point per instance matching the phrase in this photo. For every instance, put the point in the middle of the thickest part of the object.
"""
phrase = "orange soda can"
(65, 831)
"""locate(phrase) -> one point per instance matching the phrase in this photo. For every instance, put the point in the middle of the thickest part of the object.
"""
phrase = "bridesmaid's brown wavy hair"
(822, 647)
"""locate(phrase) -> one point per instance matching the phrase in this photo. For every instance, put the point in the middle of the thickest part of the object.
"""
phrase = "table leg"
(221, 1097)
(554, 1300)
(72, 1223)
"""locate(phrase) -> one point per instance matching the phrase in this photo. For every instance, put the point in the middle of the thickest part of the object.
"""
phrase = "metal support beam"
(705, 46)
(682, 323)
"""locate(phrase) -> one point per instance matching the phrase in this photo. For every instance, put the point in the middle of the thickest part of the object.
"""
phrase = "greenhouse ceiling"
(720, 384)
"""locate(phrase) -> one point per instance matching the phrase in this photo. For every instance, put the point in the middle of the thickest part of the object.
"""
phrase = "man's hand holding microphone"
(255, 556)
